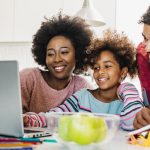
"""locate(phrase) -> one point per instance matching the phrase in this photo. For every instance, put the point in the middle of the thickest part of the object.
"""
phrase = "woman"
(58, 46)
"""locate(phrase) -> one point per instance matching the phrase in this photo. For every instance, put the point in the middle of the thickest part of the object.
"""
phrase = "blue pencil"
(28, 139)
(37, 140)
(48, 140)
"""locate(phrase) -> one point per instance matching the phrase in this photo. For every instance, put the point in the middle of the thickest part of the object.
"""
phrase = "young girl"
(58, 46)
(111, 58)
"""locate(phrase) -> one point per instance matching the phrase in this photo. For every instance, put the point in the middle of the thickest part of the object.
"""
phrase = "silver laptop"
(11, 117)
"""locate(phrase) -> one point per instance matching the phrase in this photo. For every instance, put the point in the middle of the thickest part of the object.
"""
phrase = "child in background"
(111, 58)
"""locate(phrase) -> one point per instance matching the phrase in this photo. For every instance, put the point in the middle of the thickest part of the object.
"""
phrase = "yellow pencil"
(15, 144)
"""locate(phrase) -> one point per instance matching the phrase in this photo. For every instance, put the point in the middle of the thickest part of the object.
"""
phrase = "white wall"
(6, 20)
(19, 51)
(128, 13)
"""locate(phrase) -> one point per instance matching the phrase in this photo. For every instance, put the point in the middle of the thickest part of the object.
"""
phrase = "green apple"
(63, 128)
(102, 130)
(83, 128)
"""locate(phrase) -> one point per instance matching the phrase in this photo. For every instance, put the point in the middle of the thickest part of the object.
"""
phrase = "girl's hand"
(25, 119)
(120, 97)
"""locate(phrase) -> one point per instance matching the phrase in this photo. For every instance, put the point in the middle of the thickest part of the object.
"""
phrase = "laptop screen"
(11, 122)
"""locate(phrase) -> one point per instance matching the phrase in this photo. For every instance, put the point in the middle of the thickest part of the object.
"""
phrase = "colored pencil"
(28, 140)
(8, 139)
(34, 143)
(16, 148)
(7, 142)
(48, 140)
(15, 144)
(21, 139)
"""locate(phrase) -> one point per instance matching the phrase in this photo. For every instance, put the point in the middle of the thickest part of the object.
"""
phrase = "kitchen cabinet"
(20, 19)
(71, 7)
(6, 20)
(29, 14)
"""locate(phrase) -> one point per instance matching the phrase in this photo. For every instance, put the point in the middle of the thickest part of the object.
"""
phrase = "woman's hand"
(142, 118)
(25, 119)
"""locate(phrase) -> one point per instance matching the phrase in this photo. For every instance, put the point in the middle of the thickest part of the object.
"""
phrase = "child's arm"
(132, 104)
(70, 105)
(39, 120)
(35, 120)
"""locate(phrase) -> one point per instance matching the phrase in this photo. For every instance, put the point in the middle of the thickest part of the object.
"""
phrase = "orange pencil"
(15, 144)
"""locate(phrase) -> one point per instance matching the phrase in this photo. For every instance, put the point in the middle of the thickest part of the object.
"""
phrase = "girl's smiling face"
(60, 57)
(107, 72)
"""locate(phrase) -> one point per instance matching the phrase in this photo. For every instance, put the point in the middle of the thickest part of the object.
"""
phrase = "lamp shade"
(90, 14)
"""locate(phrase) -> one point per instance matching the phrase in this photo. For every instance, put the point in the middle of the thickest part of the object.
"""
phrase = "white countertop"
(117, 143)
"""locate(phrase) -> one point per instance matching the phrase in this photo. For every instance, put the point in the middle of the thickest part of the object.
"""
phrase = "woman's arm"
(26, 80)
(132, 104)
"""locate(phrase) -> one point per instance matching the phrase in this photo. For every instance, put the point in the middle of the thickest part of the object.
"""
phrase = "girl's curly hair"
(73, 28)
(122, 48)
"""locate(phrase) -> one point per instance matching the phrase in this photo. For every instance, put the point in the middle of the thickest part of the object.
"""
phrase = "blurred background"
(20, 19)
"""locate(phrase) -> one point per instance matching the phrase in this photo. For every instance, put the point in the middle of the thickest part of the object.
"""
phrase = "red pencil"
(8, 139)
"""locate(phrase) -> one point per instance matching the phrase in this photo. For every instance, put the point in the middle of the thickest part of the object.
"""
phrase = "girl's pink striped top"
(84, 101)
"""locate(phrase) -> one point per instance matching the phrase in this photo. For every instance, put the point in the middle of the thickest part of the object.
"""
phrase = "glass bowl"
(82, 130)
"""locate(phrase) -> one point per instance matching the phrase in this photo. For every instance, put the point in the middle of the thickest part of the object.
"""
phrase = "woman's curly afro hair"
(122, 48)
(73, 28)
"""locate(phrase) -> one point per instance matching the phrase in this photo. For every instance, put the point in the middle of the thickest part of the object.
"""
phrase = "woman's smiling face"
(107, 72)
(60, 57)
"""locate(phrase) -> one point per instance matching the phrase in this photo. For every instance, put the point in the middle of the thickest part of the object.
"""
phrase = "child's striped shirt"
(84, 101)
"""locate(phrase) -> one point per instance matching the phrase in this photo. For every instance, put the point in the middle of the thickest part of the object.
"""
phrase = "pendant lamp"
(90, 14)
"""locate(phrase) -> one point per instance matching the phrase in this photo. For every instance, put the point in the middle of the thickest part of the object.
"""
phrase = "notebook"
(11, 116)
